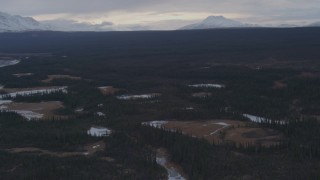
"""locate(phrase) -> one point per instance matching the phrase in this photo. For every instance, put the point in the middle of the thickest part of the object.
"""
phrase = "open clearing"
(86, 151)
(34, 110)
(222, 131)
(262, 136)
(54, 77)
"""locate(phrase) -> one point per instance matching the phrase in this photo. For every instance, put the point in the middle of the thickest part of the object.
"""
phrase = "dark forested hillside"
(229, 103)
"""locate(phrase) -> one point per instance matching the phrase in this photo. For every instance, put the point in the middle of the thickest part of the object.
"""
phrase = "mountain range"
(16, 23)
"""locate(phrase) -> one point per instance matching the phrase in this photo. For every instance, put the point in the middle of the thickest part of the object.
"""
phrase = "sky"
(166, 14)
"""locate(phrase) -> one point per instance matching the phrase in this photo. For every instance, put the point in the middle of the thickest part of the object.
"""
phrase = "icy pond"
(4, 63)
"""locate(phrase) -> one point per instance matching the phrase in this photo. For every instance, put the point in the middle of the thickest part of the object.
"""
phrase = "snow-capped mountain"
(16, 23)
(214, 22)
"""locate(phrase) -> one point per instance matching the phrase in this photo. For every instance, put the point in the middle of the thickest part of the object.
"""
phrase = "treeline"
(123, 158)
(39, 97)
(302, 136)
(202, 160)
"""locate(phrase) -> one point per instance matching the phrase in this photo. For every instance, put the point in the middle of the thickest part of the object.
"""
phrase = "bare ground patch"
(87, 150)
(48, 109)
(226, 131)
(108, 90)
(247, 135)
(279, 84)
(201, 94)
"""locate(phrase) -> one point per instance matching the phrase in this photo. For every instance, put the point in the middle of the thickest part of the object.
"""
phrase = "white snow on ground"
(4, 63)
(100, 114)
(173, 174)
(23, 74)
(156, 124)
(99, 131)
(39, 91)
(207, 85)
(79, 110)
(222, 124)
(225, 125)
(133, 97)
(258, 119)
(5, 102)
(29, 114)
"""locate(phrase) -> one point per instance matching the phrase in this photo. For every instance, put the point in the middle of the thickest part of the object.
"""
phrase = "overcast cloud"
(158, 12)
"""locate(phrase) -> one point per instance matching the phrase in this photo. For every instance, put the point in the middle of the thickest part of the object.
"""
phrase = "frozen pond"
(207, 85)
(4, 63)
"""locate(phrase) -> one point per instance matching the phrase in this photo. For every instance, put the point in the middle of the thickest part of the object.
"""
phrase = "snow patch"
(32, 92)
(134, 97)
(30, 115)
(5, 102)
(207, 85)
(79, 110)
(100, 114)
(258, 119)
(99, 131)
(156, 124)
(173, 174)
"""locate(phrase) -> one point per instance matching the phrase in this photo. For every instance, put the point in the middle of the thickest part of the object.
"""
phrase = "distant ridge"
(316, 24)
